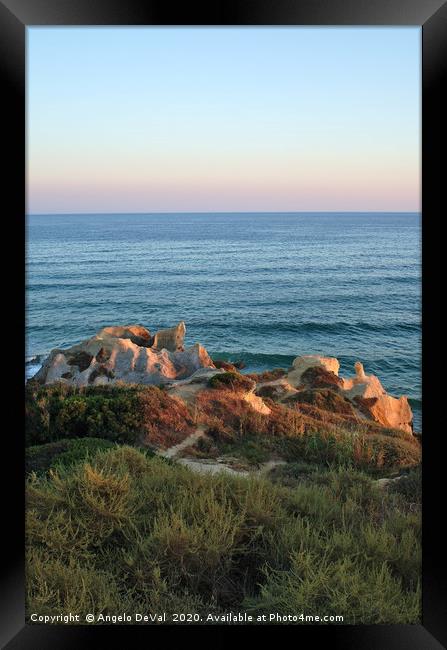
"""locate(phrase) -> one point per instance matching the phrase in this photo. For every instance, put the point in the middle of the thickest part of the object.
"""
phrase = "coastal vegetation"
(120, 530)
(318, 513)
(118, 412)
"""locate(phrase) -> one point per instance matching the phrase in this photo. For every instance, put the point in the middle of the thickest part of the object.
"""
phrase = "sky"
(129, 119)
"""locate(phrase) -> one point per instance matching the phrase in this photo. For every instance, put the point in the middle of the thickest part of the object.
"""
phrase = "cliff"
(130, 354)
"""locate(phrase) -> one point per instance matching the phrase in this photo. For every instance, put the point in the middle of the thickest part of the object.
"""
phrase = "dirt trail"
(212, 465)
(270, 464)
(209, 466)
(187, 442)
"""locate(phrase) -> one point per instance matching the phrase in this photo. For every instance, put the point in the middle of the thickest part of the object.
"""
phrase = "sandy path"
(270, 464)
(210, 465)
(187, 442)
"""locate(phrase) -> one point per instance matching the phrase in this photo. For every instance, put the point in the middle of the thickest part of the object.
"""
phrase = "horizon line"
(57, 214)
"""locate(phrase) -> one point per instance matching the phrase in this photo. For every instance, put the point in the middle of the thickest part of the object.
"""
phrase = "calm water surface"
(262, 288)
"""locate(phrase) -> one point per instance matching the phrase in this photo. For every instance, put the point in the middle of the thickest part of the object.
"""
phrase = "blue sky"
(223, 119)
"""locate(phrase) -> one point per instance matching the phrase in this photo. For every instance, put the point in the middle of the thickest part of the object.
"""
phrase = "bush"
(63, 453)
(322, 437)
(250, 448)
(123, 532)
(319, 377)
(231, 381)
(267, 375)
(312, 584)
(120, 412)
(224, 365)
(409, 486)
(324, 399)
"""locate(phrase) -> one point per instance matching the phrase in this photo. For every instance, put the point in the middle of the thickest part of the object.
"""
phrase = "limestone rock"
(277, 390)
(124, 353)
(301, 364)
(389, 411)
(136, 333)
(256, 403)
(364, 391)
(363, 385)
(371, 398)
(170, 339)
(129, 354)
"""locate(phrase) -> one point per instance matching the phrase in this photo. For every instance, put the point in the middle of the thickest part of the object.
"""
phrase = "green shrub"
(294, 473)
(409, 486)
(124, 532)
(231, 381)
(63, 453)
(313, 585)
(118, 412)
(251, 448)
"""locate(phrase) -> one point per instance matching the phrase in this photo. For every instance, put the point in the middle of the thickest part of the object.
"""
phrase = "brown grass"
(231, 381)
(267, 375)
(305, 432)
(324, 399)
(224, 365)
(319, 377)
(167, 420)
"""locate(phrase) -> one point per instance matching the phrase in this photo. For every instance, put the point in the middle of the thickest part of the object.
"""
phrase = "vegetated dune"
(213, 491)
(307, 412)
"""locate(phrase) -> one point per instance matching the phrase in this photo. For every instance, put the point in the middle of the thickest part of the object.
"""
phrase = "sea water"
(261, 288)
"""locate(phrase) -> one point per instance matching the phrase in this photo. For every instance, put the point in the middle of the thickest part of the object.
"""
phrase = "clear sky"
(223, 119)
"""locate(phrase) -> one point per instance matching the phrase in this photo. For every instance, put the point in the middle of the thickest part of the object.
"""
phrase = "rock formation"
(365, 392)
(130, 354)
(125, 353)
(136, 333)
(371, 398)
(301, 364)
(170, 339)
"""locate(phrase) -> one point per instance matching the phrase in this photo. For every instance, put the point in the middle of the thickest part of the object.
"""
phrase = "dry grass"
(124, 532)
(118, 412)
(305, 432)
(267, 375)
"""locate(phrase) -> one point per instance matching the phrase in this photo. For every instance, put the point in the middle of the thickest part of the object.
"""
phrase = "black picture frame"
(15, 16)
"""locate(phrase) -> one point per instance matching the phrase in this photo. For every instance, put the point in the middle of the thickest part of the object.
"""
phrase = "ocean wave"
(335, 327)
(256, 359)
(35, 359)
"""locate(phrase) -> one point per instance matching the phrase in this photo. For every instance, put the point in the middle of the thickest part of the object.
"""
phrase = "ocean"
(261, 288)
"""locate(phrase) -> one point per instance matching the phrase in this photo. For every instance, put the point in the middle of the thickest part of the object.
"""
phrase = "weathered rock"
(256, 403)
(170, 339)
(200, 376)
(128, 353)
(109, 357)
(136, 333)
(371, 398)
(388, 411)
(363, 385)
(277, 390)
(301, 364)
(364, 391)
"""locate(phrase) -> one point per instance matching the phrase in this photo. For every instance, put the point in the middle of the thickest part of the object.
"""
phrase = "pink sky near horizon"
(140, 120)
